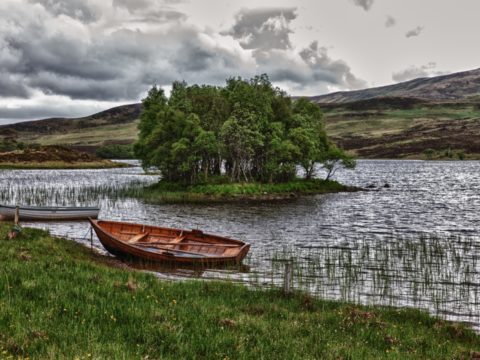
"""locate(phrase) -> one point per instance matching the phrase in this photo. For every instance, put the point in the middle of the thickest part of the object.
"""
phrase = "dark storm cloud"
(54, 51)
(41, 111)
(365, 4)
(77, 9)
(314, 70)
(12, 87)
(263, 29)
(390, 22)
(115, 65)
(335, 72)
(194, 58)
(414, 32)
(414, 72)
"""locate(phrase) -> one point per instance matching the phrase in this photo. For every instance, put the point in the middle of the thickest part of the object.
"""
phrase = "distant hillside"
(457, 86)
(114, 126)
(117, 115)
(424, 118)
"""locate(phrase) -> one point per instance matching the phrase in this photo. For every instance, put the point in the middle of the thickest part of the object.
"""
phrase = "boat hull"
(49, 213)
(195, 248)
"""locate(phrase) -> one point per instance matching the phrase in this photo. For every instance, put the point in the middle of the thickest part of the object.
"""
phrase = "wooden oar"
(175, 250)
(182, 244)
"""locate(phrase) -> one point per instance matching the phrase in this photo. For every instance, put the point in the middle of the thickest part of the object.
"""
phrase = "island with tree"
(247, 139)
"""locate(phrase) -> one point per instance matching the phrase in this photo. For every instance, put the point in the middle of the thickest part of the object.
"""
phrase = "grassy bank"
(57, 300)
(58, 165)
(221, 191)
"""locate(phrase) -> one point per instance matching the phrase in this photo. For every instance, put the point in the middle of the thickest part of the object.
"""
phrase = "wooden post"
(91, 238)
(288, 277)
(17, 215)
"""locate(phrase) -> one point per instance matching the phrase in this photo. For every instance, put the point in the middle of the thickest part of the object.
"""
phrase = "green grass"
(101, 164)
(466, 112)
(92, 136)
(58, 300)
(168, 192)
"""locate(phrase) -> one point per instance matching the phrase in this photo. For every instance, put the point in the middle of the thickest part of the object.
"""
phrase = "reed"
(438, 273)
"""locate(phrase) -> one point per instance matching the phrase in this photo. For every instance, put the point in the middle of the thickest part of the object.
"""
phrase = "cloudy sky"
(75, 57)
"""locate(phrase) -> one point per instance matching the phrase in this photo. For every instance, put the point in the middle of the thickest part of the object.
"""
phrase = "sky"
(70, 58)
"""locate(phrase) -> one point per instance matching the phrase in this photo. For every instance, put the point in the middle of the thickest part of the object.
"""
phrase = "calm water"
(413, 243)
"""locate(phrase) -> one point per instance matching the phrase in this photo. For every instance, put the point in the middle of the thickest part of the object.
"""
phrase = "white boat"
(7, 212)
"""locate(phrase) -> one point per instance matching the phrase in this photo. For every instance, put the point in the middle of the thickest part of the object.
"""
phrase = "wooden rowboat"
(48, 212)
(167, 245)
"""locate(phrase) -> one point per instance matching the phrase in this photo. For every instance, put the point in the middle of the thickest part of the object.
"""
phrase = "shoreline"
(67, 310)
(168, 192)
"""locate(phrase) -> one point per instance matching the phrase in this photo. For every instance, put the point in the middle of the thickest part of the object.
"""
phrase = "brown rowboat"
(173, 246)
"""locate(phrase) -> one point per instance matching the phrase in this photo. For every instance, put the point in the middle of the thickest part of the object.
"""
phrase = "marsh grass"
(58, 300)
(432, 272)
(53, 165)
(31, 187)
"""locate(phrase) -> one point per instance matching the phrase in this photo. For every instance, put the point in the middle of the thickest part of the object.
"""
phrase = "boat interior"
(187, 243)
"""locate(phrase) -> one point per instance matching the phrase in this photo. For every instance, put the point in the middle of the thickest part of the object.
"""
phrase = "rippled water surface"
(410, 241)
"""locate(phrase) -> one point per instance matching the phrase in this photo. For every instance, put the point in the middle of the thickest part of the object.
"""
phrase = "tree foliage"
(248, 130)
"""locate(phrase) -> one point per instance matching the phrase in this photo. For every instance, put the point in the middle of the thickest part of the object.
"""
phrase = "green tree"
(335, 158)
(249, 128)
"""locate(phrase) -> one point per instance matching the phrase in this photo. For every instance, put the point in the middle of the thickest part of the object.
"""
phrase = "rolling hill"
(113, 126)
(436, 117)
(450, 87)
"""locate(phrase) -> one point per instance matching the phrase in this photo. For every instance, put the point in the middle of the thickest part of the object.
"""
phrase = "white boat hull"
(49, 213)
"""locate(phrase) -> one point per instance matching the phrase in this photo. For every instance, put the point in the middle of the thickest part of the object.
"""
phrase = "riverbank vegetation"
(115, 151)
(58, 299)
(247, 131)
(220, 190)
(51, 157)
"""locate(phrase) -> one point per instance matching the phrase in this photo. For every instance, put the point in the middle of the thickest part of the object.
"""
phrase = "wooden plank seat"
(178, 239)
(187, 244)
(137, 238)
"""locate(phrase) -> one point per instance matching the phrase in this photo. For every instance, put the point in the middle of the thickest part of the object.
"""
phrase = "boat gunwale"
(192, 231)
(52, 208)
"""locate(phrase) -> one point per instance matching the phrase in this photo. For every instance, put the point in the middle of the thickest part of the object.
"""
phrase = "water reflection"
(358, 234)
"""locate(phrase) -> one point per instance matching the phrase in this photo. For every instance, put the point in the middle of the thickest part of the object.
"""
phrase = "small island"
(51, 157)
(247, 140)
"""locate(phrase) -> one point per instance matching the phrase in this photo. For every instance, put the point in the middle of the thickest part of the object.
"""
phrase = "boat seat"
(137, 238)
(178, 239)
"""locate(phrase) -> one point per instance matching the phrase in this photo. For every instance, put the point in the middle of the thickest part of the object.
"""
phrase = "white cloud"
(414, 72)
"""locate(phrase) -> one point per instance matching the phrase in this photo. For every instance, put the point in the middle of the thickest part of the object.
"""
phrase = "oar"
(175, 250)
(182, 244)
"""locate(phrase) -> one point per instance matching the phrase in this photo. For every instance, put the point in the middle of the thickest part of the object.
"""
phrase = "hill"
(114, 126)
(52, 157)
(436, 117)
(426, 118)
(457, 86)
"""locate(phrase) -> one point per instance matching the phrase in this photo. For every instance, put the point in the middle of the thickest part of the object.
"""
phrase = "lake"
(411, 240)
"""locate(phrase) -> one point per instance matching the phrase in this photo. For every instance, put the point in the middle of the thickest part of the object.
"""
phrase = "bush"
(116, 151)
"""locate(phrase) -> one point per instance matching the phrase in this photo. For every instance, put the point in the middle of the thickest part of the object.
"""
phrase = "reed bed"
(438, 273)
